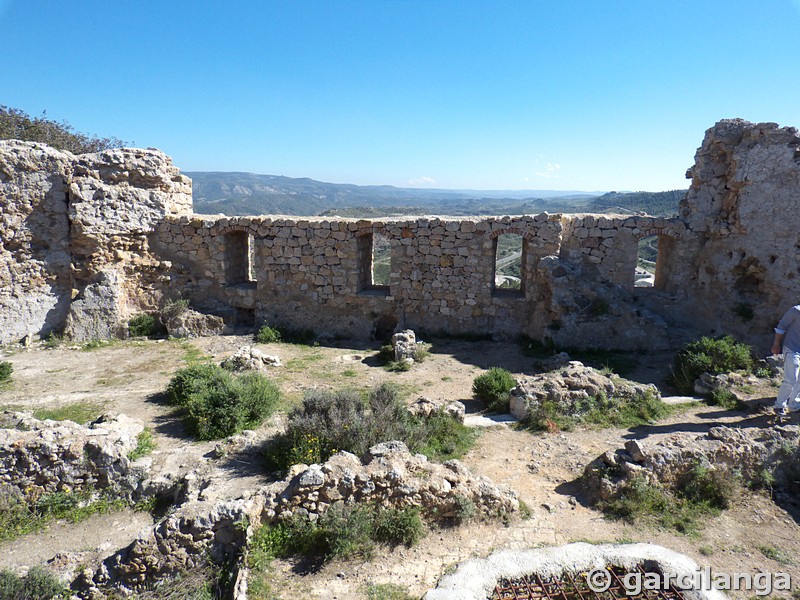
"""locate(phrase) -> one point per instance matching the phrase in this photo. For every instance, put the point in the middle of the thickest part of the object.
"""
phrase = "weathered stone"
(567, 387)
(405, 346)
(190, 323)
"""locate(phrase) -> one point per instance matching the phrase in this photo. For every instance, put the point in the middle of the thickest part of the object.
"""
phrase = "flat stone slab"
(681, 399)
(488, 420)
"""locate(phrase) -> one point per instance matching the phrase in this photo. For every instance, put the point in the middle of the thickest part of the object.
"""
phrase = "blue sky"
(502, 94)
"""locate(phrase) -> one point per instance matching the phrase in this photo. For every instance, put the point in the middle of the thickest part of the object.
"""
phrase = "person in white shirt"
(787, 341)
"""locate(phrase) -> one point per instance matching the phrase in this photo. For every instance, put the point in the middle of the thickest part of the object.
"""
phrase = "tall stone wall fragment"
(738, 271)
(72, 225)
(34, 239)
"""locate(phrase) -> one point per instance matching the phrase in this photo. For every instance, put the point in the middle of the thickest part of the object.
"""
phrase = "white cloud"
(422, 181)
(550, 171)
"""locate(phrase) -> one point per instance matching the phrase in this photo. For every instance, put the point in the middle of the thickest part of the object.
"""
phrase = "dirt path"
(126, 377)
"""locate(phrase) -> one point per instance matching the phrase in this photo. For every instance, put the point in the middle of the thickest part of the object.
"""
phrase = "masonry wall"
(89, 240)
(309, 273)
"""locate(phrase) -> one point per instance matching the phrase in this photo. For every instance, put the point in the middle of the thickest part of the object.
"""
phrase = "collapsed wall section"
(74, 249)
(738, 271)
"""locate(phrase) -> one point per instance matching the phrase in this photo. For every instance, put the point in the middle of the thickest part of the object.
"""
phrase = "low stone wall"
(389, 476)
(40, 457)
(750, 453)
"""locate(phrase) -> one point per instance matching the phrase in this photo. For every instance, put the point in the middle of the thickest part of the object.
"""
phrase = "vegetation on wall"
(18, 125)
(709, 355)
(328, 422)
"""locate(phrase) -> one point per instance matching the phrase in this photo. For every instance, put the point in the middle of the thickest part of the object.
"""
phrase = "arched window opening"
(509, 263)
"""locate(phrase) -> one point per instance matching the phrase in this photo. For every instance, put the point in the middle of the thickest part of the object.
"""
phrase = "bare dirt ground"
(126, 377)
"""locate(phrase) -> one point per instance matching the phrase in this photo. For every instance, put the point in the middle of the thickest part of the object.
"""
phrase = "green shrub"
(38, 584)
(441, 437)
(5, 370)
(494, 387)
(639, 500)
(341, 532)
(704, 491)
(290, 335)
(709, 355)
(724, 397)
(143, 325)
(465, 509)
(268, 335)
(763, 373)
(715, 488)
(218, 404)
(776, 554)
(53, 340)
(191, 380)
(328, 422)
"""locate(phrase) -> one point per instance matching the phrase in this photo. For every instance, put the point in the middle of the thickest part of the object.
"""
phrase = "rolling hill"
(233, 193)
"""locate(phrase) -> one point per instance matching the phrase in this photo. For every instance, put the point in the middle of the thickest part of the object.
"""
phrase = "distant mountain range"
(251, 194)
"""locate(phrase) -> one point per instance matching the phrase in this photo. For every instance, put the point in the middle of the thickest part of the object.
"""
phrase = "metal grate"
(576, 587)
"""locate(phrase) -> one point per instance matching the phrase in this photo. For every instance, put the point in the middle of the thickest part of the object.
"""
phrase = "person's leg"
(789, 387)
(792, 402)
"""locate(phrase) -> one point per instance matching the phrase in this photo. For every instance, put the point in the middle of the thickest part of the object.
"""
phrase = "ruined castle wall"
(314, 272)
(740, 269)
(74, 248)
(88, 240)
(34, 239)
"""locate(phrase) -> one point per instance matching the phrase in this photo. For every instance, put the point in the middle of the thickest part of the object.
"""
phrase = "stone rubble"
(189, 323)
(748, 452)
(41, 457)
(405, 346)
(248, 358)
(426, 407)
(207, 525)
(568, 386)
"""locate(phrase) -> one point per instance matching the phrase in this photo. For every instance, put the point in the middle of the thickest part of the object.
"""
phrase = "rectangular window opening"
(646, 261)
(239, 255)
(509, 264)
(375, 258)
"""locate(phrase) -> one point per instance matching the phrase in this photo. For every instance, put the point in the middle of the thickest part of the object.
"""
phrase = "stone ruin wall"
(312, 272)
(74, 237)
(89, 240)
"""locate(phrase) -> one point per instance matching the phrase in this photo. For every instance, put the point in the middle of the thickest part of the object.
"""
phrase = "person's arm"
(777, 344)
(786, 321)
